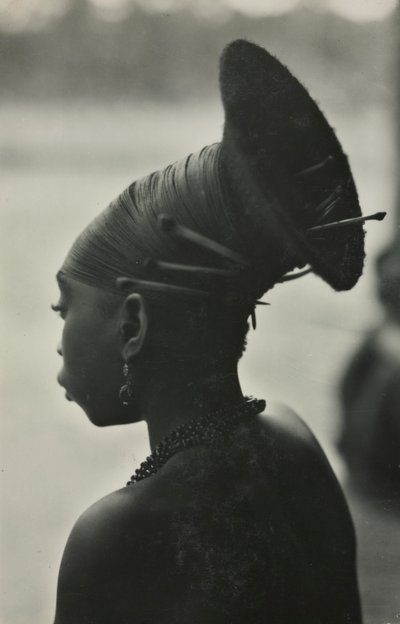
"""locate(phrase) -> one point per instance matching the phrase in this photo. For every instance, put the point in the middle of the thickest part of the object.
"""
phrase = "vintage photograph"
(201, 311)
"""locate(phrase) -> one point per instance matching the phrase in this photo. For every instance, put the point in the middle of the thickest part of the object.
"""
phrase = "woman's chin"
(112, 417)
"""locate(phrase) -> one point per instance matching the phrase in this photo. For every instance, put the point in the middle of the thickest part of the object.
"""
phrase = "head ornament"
(278, 190)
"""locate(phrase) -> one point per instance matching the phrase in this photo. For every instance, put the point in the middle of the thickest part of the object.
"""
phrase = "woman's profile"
(236, 515)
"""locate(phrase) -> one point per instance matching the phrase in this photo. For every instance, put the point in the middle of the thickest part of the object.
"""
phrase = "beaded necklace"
(210, 429)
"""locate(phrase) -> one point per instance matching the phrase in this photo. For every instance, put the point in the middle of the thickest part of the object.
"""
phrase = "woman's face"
(91, 351)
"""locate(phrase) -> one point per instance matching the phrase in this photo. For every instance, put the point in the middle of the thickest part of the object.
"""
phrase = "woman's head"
(146, 323)
(245, 212)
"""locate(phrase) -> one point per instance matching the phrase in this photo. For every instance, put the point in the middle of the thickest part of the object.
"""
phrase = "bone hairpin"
(253, 319)
(189, 268)
(124, 283)
(327, 204)
(168, 224)
(328, 207)
(316, 167)
(253, 313)
(292, 276)
(377, 216)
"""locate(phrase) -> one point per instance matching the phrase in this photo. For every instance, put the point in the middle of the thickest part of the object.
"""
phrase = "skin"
(256, 531)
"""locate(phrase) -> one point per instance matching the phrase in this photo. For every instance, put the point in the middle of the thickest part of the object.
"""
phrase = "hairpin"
(189, 268)
(130, 282)
(292, 276)
(377, 216)
(168, 224)
(253, 318)
(325, 207)
(253, 312)
(316, 167)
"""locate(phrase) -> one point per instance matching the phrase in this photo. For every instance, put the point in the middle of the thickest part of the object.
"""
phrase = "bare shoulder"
(111, 528)
(111, 553)
(310, 482)
(92, 547)
(286, 421)
(294, 439)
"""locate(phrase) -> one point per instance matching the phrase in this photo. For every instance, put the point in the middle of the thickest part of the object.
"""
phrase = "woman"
(236, 516)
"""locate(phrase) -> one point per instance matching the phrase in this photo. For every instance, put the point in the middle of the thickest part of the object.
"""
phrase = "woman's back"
(232, 534)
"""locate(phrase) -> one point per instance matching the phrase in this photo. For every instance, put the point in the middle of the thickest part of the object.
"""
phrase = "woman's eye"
(59, 309)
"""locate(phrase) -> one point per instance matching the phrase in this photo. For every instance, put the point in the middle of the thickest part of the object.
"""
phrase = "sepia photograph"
(200, 296)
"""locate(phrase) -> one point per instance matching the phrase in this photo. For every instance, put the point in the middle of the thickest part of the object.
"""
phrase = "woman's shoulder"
(121, 520)
(298, 457)
(110, 555)
(290, 438)
(93, 538)
(282, 422)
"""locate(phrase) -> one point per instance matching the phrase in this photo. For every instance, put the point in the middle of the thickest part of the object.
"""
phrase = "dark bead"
(211, 429)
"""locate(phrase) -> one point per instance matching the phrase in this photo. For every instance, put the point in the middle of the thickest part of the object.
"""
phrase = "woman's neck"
(174, 398)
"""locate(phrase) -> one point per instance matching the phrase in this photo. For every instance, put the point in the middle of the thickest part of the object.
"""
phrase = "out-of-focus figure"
(370, 394)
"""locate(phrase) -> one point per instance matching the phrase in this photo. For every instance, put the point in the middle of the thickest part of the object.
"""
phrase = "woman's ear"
(133, 326)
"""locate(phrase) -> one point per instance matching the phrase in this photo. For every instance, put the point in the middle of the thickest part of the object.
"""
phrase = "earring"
(126, 391)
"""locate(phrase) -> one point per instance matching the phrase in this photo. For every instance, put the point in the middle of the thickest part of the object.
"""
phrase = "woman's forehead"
(87, 294)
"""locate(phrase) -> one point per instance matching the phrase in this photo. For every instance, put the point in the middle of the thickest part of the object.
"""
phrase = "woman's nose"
(59, 350)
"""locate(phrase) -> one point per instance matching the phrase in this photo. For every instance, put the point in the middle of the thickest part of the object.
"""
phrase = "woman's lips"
(67, 396)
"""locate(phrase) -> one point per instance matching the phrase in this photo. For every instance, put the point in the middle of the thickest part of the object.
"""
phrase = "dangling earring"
(126, 391)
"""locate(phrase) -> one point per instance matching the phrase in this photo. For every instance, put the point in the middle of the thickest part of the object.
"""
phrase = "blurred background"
(95, 93)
